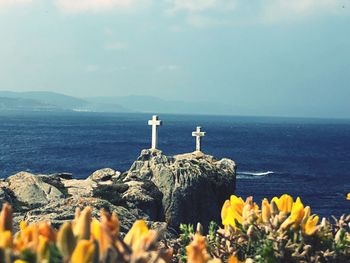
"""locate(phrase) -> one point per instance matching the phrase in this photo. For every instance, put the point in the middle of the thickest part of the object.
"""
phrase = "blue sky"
(270, 57)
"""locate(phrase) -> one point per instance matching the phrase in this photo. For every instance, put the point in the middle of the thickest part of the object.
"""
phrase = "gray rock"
(63, 210)
(194, 185)
(4, 197)
(31, 190)
(165, 191)
(144, 195)
(103, 175)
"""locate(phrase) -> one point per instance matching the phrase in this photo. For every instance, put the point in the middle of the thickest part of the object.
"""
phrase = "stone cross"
(198, 134)
(154, 123)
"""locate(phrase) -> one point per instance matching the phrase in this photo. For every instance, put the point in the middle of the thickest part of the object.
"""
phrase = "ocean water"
(309, 158)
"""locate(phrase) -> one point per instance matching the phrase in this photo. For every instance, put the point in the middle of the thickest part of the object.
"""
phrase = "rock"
(166, 191)
(103, 175)
(145, 196)
(31, 190)
(4, 197)
(194, 185)
(79, 188)
(63, 210)
(63, 175)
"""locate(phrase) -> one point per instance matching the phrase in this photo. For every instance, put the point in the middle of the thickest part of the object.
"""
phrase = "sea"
(309, 158)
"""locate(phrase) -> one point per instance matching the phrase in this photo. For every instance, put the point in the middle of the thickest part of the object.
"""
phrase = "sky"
(270, 57)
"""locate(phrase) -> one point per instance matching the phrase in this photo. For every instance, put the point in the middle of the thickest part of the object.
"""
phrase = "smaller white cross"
(198, 134)
(154, 123)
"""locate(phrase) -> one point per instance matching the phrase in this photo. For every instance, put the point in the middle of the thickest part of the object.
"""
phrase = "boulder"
(194, 186)
(30, 190)
(103, 175)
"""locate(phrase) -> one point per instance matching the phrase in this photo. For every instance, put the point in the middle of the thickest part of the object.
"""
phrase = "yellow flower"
(111, 222)
(6, 218)
(310, 226)
(197, 250)
(46, 230)
(43, 250)
(65, 240)
(136, 233)
(232, 211)
(296, 216)
(100, 233)
(265, 211)
(28, 237)
(5, 239)
(84, 252)
(82, 222)
(250, 211)
(297, 213)
(20, 261)
(348, 196)
(233, 259)
(284, 203)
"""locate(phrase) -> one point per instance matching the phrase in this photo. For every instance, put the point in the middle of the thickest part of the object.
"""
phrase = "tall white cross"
(198, 134)
(154, 123)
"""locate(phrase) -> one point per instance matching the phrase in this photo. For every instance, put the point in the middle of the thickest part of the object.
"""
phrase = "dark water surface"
(309, 158)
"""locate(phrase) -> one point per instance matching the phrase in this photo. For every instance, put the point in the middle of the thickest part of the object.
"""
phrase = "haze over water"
(309, 158)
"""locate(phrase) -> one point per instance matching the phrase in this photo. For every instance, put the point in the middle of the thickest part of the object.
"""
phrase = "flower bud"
(82, 226)
(6, 218)
(65, 240)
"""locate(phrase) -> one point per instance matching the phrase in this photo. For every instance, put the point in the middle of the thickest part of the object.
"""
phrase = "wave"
(256, 173)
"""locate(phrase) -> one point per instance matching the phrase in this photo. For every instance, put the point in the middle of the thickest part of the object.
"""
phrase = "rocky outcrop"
(194, 185)
(187, 188)
(32, 191)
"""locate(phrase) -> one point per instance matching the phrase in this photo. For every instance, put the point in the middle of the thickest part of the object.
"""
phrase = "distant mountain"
(154, 104)
(51, 101)
(43, 100)
(19, 104)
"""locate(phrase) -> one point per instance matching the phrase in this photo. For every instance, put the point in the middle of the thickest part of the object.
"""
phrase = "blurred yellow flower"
(6, 218)
(82, 221)
(5, 239)
(197, 250)
(265, 211)
(65, 240)
(136, 233)
(84, 252)
(348, 196)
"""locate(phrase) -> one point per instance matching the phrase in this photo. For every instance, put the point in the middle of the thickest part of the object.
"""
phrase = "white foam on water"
(255, 173)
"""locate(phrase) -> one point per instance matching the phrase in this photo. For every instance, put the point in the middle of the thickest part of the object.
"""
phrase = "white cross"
(154, 123)
(198, 134)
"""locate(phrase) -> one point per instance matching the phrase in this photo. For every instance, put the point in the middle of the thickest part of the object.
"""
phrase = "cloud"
(201, 5)
(115, 46)
(209, 13)
(277, 10)
(82, 6)
(14, 2)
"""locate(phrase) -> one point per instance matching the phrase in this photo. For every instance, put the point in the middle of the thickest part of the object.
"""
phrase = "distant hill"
(20, 104)
(43, 101)
(51, 101)
(154, 104)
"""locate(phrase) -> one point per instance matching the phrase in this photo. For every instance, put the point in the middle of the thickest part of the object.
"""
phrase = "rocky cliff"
(164, 190)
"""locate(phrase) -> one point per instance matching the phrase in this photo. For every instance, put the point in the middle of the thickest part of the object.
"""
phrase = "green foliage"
(186, 235)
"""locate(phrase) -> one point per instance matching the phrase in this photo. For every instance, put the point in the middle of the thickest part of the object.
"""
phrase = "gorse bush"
(279, 230)
(83, 240)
